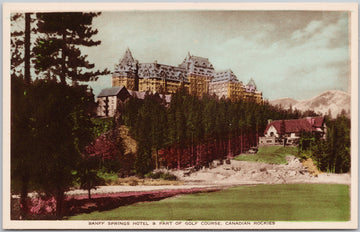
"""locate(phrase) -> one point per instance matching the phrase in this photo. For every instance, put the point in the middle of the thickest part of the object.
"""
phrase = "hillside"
(284, 102)
(333, 100)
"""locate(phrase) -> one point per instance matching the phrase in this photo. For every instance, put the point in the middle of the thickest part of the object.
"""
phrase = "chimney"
(269, 121)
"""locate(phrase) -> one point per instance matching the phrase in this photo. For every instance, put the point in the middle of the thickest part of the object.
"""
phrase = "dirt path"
(135, 189)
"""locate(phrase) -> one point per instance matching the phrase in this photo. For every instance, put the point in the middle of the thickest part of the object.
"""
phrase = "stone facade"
(195, 74)
(251, 93)
(109, 99)
(225, 84)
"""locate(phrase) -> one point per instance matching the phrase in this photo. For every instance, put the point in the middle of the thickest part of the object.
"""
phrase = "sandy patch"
(233, 174)
(244, 172)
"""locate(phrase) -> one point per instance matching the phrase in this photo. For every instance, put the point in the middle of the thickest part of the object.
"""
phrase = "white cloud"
(300, 63)
(312, 28)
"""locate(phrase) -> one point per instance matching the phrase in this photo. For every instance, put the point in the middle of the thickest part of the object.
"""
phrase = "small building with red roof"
(292, 129)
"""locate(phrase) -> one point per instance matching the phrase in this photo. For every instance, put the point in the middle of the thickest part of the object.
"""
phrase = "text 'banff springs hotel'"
(196, 74)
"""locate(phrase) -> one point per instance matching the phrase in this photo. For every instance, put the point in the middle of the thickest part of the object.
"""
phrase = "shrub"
(108, 177)
(161, 175)
(153, 175)
(133, 182)
(168, 176)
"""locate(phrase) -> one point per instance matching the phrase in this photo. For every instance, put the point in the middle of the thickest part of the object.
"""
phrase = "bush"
(160, 175)
(101, 125)
(133, 182)
(168, 176)
(108, 177)
(304, 155)
(153, 175)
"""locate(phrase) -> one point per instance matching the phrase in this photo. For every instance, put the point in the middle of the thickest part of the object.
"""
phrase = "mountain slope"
(284, 102)
(333, 100)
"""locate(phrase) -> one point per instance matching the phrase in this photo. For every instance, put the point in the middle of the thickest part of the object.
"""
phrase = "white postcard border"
(48, 7)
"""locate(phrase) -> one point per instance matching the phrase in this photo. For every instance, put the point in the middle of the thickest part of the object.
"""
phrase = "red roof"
(298, 125)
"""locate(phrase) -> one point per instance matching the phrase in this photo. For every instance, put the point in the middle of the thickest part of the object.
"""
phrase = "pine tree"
(22, 133)
(27, 48)
(23, 153)
(60, 113)
(58, 49)
(87, 174)
(193, 125)
(17, 45)
(158, 126)
(143, 162)
(50, 122)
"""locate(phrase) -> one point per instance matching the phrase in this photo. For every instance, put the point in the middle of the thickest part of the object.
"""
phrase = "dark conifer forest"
(192, 132)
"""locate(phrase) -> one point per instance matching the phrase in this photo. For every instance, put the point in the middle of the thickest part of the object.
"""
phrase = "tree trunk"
(192, 151)
(23, 196)
(257, 135)
(27, 48)
(241, 142)
(27, 78)
(157, 159)
(224, 148)
(59, 203)
(229, 148)
(197, 155)
(89, 193)
(63, 59)
(178, 159)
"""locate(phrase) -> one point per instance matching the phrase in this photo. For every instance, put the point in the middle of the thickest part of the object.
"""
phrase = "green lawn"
(289, 202)
(270, 154)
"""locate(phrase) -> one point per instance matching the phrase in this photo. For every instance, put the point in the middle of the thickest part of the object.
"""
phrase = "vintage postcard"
(180, 116)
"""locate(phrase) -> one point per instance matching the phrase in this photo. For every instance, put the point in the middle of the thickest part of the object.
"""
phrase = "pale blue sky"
(296, 54)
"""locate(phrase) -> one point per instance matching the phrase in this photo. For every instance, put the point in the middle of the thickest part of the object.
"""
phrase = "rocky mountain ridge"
(333, 101)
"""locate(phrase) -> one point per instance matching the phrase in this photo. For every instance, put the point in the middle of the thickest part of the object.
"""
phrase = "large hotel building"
(196, 74)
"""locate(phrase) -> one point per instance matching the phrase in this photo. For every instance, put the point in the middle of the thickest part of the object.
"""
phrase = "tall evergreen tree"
(60, 113)
(143, 162)
(58, 50)
(332, 154)
(22, 131)
(17, 45)
(158, 126)
(23, 155)
(27, 48)
(50, 122)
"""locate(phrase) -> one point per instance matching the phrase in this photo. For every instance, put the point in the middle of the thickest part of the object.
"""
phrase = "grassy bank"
(292, 202)
(270, 154)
